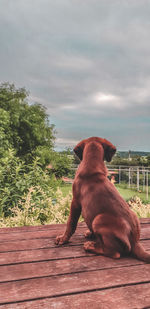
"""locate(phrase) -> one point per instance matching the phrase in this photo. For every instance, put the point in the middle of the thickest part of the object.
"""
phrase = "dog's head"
(109, 149)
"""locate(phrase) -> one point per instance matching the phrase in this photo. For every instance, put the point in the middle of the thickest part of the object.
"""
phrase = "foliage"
(5, 132)
(34, 211)
(24, 126)
(30, 169)
(148, 161)
(142, 210)
(26, 147)
(46, 210)
(44, 154)
(129, 193)
(135, 160)
(16, 178)
(62, 164)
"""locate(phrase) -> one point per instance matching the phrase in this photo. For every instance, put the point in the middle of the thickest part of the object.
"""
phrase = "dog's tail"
(139, 252)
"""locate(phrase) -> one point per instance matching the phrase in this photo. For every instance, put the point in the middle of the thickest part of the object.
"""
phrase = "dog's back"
(98, 195)
(105, 212)
(107, 215)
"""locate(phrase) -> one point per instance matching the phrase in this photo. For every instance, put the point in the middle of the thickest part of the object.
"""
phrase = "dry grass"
(142, 210)
(48, 211)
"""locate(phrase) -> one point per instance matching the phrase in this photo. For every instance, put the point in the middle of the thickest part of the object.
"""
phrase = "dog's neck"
(93, 160)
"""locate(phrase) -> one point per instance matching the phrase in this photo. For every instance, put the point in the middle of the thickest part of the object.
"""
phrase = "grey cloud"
(67, 52)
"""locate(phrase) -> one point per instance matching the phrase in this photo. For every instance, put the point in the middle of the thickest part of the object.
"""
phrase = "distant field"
(126, 193)
(66, 188)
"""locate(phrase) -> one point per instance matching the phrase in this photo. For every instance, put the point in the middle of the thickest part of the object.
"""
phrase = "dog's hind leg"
(104, 247)
(139, 252)
(112, 236)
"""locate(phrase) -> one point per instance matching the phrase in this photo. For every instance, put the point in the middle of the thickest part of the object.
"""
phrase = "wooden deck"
(34, 273)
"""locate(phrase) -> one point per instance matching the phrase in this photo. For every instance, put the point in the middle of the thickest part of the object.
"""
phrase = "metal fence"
(135, 177)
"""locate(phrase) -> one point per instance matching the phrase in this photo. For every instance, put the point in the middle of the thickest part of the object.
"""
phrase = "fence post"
(137, 179)
(129, 178)
(143, 180)
(147, 185)
(119, 174)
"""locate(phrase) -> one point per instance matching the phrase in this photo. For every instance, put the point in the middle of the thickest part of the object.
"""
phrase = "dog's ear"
(78, 150)
(109, 150)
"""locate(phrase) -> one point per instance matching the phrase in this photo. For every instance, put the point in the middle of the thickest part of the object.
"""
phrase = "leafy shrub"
(142, 210)
(25, 126)
(16, 178)
(37, 208)
(62, 164)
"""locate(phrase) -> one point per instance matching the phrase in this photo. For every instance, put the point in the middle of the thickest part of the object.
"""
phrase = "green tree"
(25, 126)
(17, 178)
(148, 160)
(5, 133)
(61, 164)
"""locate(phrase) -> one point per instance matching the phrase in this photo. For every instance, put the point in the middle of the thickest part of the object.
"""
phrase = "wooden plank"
(37, 244)
(145, 233)
(145, 220)
(60, 267)
(18, 230)
(52, 233)
(41, 241)
(46, 253)
(73, 283)
(127, 297)
(45, 233)
(7, 258)
(31, 228)
(34, 234)
(28, 235)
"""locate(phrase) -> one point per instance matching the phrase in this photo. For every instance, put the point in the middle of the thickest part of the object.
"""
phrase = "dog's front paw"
(89, 235)
(89, 246)
(60, 240)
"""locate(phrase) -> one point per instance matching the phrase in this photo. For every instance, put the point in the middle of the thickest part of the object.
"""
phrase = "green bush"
(24, 126)
(38, 208)
(16, 178)
(142, 210)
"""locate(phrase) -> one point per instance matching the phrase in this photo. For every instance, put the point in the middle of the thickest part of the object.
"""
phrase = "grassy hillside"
(126, 193)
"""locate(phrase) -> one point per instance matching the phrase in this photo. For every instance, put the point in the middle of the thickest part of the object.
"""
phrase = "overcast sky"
(87, 61)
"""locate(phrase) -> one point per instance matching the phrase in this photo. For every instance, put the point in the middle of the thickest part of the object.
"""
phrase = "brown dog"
(114, 226)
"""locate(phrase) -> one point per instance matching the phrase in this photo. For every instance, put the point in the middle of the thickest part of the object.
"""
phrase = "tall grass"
(125, 192)
(129, 193)
(48, 210)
